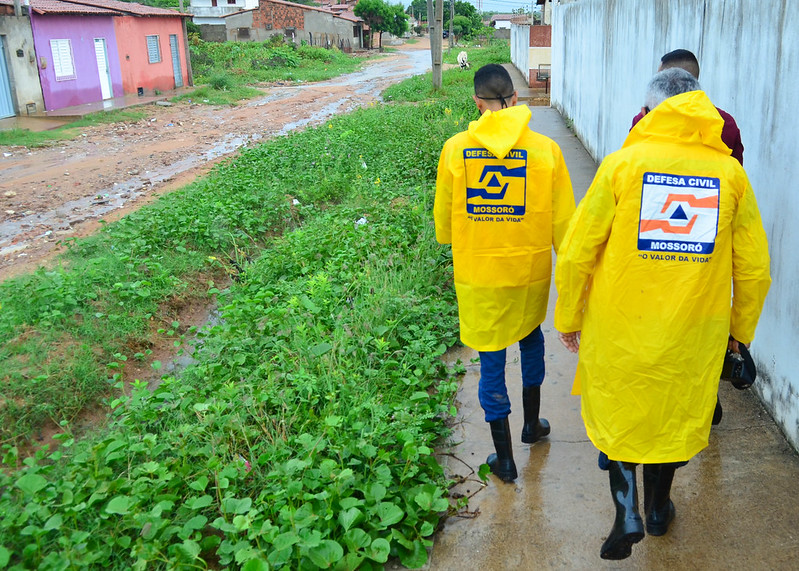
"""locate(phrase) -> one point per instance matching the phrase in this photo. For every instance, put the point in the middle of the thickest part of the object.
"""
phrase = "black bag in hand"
(739, 368)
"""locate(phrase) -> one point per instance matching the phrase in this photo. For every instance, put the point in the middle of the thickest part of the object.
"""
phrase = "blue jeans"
(492, 392)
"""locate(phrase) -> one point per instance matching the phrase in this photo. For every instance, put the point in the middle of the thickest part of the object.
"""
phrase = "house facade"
(76, 51)
(62, 53)
(297, 22)
(20, 89)
(209, 16)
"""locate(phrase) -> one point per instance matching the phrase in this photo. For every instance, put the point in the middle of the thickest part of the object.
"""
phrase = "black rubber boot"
(534, 428)
(501, 463)
(658, 506)
(628, 528)
(717, 413)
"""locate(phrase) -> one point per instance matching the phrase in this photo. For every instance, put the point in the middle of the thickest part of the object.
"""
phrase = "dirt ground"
(63, 191)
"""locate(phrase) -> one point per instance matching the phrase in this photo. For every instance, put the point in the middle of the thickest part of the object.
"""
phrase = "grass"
(33, 139)
(303, 434)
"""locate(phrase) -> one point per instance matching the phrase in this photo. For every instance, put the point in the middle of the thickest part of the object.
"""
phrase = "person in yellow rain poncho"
(503, 199)
(644, 277)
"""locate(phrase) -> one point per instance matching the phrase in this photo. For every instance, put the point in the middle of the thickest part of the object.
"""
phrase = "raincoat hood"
(687, 117)
(498, 131)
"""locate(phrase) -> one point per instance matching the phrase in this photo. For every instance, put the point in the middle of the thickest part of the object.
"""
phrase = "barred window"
(153, 49)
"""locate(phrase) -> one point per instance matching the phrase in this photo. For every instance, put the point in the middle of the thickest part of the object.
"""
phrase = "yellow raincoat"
(503, 198)
(669, 223)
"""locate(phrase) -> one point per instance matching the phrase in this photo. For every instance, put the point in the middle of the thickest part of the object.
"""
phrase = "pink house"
(92, 50)
(151, 44)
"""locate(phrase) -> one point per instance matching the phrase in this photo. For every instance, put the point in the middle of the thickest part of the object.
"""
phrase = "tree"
(382, 17)
(397, 20)
(473, 22)
(461, 26)
(419, 10)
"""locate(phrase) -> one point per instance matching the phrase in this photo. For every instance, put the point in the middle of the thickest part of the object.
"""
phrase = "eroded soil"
(64, 191)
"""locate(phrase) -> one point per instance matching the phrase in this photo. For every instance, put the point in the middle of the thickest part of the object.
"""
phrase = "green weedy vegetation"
(302, 436)
(227, 64)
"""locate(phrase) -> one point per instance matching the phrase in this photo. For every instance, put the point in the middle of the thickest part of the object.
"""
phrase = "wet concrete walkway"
(736, 501)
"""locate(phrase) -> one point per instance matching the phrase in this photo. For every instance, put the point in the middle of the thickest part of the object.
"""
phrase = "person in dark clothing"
(686, 60)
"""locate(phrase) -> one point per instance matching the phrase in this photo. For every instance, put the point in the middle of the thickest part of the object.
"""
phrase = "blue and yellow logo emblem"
(495, 186)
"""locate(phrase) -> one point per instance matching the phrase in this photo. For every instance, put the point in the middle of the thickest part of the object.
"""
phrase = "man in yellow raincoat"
(503, 199)
(668, 225)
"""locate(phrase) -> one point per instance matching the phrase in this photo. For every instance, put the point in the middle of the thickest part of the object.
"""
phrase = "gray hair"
(668, 83)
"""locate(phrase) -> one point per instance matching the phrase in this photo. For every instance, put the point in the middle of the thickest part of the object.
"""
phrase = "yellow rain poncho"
(503, 198)
(668, 225)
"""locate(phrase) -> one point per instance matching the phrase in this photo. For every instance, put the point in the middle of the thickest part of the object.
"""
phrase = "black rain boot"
(717, 413)
(628, 528)
(534, 428)
(658, 506)
(502, 463)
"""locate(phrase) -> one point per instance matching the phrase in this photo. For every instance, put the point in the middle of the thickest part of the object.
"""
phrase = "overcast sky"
(499, 6)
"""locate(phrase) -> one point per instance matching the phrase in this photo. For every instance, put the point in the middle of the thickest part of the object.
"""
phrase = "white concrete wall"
(520, 49)
(603, 54)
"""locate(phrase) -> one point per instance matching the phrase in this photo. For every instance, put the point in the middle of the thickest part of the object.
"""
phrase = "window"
(153, 49)
(243, 33)
(63, 66)
(231, 1)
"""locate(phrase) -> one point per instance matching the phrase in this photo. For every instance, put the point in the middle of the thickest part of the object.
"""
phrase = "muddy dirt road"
(63, 191)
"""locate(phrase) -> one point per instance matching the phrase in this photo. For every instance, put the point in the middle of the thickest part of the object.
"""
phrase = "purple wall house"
(76, 52)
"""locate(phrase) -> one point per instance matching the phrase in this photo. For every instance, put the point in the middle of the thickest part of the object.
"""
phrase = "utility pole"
(186, 48)
(451, 17)
(436, 41)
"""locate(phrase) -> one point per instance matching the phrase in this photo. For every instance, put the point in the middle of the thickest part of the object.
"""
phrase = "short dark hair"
(492, 81)
(683, 59)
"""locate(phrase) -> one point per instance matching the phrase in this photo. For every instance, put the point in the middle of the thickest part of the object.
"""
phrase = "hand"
(732, 345)
(570, 340)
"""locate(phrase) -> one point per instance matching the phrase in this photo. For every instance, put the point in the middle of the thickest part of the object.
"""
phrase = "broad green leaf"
(199, 503)
(197, 522)
(5, 556)
(379, 550)
(427, 529)
(255, 565)
(199, 484)
(190, 548)
(118, 505)
(356, 538)
(54, 522)
(285, 540)
(349, 517)
(309, 305)
(326, 554)
(320, 349)
(333, 420)
(375, 492)
(31, 483)
(414, 558)
(389, 513)
(236, 506)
